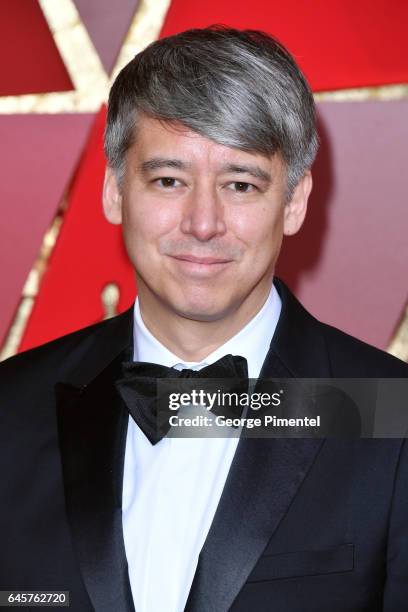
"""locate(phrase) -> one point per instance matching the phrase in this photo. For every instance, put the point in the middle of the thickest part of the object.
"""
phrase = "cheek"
(261, 232)
(147, 221)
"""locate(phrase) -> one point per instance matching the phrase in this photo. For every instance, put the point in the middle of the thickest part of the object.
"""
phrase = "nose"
(203, 215)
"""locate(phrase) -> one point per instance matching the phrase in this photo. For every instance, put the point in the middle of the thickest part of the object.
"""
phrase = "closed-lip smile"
(201, 260)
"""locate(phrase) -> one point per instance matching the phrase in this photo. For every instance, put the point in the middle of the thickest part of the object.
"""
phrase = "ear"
(112, 198)
(295, 209)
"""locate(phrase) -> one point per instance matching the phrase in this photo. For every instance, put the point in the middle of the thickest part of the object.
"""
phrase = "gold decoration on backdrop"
(81, 59)
(399, 344)
(110, 299)
(31, 287)
(91, 86)
(145, 28)
(91, 83)
(364, 94)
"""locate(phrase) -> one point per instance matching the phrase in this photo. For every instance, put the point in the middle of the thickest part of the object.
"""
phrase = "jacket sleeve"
(396, 585)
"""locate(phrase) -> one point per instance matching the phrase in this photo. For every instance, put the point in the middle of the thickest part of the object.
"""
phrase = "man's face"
(202, 223)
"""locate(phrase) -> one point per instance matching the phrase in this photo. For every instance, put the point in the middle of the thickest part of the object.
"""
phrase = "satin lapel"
(263, 480)
(265, 474)
(92, 430)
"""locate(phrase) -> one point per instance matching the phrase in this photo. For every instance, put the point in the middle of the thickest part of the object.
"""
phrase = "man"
(209, 141)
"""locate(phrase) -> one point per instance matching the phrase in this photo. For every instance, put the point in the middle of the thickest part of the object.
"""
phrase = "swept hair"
(238, 88)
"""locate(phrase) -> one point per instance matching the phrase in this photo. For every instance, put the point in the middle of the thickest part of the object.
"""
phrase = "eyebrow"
(156, 163)
(250, 169)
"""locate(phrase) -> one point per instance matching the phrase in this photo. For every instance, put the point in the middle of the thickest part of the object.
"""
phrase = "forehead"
(154, 138)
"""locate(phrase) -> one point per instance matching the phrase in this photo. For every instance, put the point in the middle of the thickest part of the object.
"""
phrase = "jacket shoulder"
(52, 361)
(351, 357)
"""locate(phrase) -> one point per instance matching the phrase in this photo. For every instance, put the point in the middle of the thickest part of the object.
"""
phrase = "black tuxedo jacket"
(302, 524)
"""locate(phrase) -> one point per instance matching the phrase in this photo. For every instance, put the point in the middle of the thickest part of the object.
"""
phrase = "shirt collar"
(251, 342)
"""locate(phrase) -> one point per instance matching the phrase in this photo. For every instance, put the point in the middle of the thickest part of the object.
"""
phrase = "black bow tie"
(138, 389)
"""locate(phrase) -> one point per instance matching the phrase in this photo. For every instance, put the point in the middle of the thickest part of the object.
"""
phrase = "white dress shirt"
(171, 490)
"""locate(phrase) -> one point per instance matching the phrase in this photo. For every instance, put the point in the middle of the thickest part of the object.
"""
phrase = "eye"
(242, 187)
(167, 182)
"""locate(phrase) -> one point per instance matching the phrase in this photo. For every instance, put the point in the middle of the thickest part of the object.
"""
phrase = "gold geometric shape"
(74, 43)
(82, 60)
(363, 94)
(31, 288)
(144, 29)
(399, 343)
(91, 89)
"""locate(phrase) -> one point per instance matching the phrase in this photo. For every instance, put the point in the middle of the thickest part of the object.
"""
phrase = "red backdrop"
(349, 262)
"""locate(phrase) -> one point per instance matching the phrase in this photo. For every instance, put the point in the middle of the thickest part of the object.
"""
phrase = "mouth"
(207, 261)
(200, 265)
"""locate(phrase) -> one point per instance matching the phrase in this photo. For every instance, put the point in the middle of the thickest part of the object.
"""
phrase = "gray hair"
(240, 89)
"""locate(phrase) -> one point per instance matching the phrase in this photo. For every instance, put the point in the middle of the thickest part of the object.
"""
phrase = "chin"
(201, 316)
(200, 310)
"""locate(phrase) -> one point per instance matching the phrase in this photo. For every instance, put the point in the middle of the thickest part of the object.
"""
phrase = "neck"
(193, 340)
